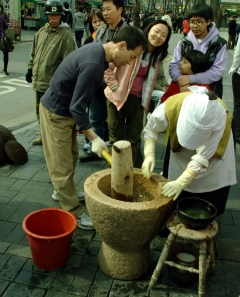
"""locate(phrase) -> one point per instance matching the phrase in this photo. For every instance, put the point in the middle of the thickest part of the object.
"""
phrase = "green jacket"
(49, 48)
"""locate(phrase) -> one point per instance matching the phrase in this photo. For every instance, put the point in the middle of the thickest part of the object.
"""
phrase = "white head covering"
(198, 117)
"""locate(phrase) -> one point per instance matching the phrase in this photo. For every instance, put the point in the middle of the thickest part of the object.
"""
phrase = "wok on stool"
(202, 237)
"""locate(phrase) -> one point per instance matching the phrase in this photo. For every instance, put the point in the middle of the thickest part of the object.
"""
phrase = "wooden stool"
(202, 237)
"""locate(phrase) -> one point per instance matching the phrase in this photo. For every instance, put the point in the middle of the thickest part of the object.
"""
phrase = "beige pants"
(61, 153)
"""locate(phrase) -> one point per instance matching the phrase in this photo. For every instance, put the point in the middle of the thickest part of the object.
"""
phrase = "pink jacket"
(120, 79)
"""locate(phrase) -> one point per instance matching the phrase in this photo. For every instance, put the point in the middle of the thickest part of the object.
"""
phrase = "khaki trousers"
(60, 148)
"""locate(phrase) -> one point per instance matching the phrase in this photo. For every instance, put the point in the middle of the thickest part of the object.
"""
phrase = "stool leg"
(167, 248)
(202, 268)
(211, 253)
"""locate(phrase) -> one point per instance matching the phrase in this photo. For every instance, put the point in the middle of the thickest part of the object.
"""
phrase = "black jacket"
(232, 25)
(146, 22)
(67, 18)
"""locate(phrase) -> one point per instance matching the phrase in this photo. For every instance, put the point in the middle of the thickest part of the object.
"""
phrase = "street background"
(26, 188)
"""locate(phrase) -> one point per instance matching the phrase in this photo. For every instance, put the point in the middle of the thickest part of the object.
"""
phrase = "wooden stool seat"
(176, 227)
(206, 257)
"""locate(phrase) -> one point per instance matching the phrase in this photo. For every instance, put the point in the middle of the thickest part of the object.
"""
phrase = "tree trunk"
(217, 12)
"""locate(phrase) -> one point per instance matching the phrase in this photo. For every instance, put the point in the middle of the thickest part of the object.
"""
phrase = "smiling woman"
(129, 91)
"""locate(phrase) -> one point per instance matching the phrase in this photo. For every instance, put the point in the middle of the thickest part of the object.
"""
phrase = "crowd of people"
(105, 85)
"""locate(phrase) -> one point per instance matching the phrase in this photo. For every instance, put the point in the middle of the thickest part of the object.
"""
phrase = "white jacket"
(168, 19)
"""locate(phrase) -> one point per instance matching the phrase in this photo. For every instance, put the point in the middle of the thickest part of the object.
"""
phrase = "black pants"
(5, 60)
(78, 37)
(236, 104)
(231, 41)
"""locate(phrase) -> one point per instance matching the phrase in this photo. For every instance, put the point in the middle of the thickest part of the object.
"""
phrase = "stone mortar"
(126, 228)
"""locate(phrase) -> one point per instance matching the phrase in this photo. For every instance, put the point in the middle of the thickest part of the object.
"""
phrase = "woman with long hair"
(4, 20)
(130, 89)
(96, 20)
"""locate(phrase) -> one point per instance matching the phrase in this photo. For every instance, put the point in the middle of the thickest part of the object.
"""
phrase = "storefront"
(229, 8)
(12, 8)
(33, 16)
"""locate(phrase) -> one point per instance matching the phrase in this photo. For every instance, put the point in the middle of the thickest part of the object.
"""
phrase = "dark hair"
(1, 6)
(169, 11)
(197, 59)
(132, 36)
(117, 3)
(160, 52)
(80, 9)
(212, 95)
(66, 5)
(97, 13)
(201, 10)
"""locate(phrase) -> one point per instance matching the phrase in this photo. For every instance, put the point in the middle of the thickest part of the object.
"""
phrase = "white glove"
(97, 145)
(149, 161)
(175, 188)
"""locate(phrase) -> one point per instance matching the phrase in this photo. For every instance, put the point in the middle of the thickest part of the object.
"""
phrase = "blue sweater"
(74, 82)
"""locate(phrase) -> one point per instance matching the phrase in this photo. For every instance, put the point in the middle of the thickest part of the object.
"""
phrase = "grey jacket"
(101, 37)
(78, 21)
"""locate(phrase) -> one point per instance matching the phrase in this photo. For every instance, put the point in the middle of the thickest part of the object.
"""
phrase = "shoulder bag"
(6, 43)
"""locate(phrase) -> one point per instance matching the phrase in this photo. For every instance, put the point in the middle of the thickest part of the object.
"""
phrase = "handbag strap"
(67, 17)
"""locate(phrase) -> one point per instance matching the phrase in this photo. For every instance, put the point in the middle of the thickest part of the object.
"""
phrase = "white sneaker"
(84, 222)
(80, 196)
(86, 146)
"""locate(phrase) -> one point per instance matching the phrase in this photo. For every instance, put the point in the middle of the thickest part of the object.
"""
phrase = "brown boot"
(37, 141)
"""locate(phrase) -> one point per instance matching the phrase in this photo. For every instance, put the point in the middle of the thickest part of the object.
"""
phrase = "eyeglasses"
(197, 23)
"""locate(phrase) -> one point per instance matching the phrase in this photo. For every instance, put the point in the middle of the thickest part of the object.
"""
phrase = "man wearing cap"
(202, 159)
(50, 46)
(64, 105)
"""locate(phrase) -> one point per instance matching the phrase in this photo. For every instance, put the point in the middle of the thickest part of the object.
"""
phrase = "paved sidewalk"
(27, 188)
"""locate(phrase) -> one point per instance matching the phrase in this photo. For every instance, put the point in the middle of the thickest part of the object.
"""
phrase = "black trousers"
(218, 197)
(78, 37)
(5, 60)
(236, 104)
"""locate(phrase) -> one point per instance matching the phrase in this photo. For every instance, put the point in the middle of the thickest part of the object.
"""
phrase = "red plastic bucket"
(49, 232)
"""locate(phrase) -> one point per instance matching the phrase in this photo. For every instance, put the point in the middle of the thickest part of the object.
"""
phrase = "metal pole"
(73, 7)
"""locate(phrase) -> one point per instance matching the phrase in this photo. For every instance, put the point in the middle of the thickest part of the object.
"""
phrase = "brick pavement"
(27, 188)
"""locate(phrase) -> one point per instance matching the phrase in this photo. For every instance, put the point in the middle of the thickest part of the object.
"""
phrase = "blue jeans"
(98, 113)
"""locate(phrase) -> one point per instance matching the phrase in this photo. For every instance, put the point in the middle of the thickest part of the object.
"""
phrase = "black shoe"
(5, 72)
(89, 157)
(164, 232)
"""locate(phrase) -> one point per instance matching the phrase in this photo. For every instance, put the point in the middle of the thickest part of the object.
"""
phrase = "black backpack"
(213, 49)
